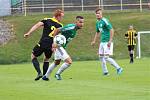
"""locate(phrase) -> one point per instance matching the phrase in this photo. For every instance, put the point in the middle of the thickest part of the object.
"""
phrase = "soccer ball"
(60, 40)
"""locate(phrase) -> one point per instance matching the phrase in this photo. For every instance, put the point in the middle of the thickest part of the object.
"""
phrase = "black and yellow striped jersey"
(131, 37)
(50, 24)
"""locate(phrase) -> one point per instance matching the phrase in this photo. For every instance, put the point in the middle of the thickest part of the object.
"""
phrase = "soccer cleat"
(45, 78)
(58, 77)
(38, 76)
(119, 71)
(106, 74)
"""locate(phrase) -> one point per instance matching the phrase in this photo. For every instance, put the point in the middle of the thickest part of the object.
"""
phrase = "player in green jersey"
(104, 27)
(69, 31)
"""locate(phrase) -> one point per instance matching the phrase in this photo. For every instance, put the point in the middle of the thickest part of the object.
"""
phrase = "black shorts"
(130, 47)
(41, 48)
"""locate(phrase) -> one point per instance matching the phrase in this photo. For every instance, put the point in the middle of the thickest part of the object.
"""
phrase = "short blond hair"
(58, 12)
(98, 9)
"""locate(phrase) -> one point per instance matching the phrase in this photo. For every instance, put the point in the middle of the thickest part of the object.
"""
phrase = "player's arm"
(96, 34)
(111, 37)
(33, 28)
(56, 31)
(95, 38)
(126, 35)
(109, 26)
(135, 35)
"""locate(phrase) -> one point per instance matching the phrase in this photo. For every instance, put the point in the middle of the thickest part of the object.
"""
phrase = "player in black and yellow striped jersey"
(131, 36)
(45, 44)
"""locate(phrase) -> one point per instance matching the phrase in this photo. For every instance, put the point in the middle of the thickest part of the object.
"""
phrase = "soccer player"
(131, 36)
(104, 27)
(69, 31)
(46, 41)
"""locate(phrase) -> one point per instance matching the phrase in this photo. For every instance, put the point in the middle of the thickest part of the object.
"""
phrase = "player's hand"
(26, 35)
(93, 43)
(109, 44)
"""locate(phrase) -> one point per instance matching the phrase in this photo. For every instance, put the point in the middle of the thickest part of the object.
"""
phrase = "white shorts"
(60, 53)
(104, 49)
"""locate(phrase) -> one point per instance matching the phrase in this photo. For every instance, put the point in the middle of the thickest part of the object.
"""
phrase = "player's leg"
(115, 64)
(103, 64)
(102, 59)
(37, 51)
(50, 69)
(48, 53)
(131, 54)
(45, 65)
(107, 51)
(67, 62)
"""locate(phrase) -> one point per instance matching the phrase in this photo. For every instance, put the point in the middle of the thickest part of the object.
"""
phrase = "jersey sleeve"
(126, 34)
(44, 20)
(107, 23)
(135, 34)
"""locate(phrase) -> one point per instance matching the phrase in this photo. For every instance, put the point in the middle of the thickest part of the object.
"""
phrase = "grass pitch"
(82, 81)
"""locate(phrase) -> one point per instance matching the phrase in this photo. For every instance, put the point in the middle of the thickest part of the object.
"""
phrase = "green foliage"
(82, 81)
(19, 49)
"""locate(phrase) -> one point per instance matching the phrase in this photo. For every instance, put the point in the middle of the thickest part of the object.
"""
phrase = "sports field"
(80, 47)
(83, 81)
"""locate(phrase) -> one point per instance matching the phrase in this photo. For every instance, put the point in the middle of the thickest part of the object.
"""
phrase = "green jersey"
(104, 26)
(69, 31)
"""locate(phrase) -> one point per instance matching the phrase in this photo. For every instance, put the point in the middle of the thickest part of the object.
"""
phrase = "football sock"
(112, 62)
(51, 67)
(104, 67)
(45, 67)
(36, 65)
(63, 67)
(131, 57)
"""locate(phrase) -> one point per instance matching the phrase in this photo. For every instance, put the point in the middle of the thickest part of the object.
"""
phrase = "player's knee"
(33, 56)
(46, 59)
(131, 51)
(69, 61)
(101, 58)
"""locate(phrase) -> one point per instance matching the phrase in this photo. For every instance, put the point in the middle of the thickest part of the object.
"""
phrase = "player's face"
(80, 23)
(130, 27)
(60, 17)
(99, 14)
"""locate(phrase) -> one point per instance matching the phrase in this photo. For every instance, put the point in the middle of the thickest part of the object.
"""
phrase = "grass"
(19, 49)
(83, 81)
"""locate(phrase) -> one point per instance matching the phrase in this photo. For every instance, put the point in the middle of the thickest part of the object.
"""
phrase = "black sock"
(36, 65)
(45, 67)
(131, 57)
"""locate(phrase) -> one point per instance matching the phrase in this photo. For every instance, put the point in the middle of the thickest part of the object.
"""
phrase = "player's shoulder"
(71, 26)
(134, 31)
(105, 20)
(68, 27)
(53, 20)
(46, 18)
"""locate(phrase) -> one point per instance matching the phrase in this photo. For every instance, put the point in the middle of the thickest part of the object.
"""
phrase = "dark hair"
(79, 17)
(98, 9)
